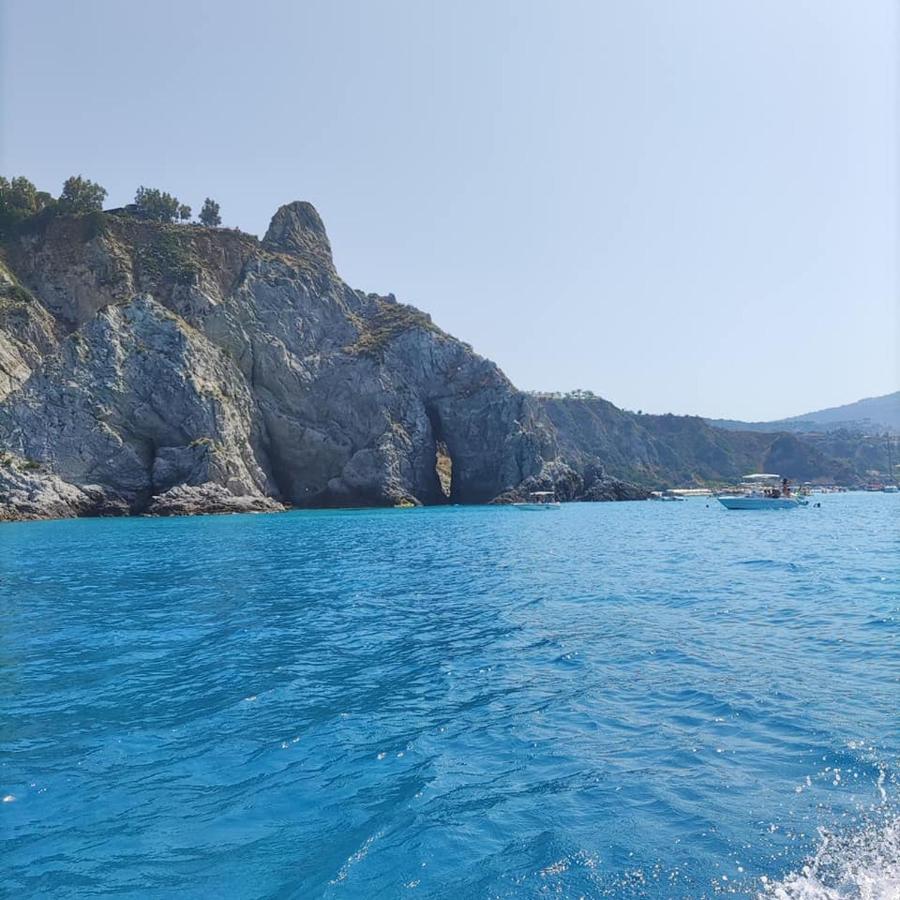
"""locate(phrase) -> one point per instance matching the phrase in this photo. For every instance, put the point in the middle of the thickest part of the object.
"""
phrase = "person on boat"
(785, 488)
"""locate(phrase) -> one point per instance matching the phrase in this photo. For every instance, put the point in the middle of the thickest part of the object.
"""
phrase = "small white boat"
(762, 491)
(539, 501)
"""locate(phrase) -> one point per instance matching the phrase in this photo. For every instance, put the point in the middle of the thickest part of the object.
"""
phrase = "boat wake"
(863, 864)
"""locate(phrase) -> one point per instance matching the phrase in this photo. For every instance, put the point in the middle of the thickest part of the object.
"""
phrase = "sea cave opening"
(443, 468)
(443, 461)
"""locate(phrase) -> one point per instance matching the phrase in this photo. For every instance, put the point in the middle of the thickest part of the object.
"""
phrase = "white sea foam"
(358, 856)
(860, 865)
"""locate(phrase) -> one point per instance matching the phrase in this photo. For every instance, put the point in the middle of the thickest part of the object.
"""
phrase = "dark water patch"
(767, 564)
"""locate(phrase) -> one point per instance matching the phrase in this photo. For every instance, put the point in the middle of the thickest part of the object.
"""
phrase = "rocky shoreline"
(29, 495)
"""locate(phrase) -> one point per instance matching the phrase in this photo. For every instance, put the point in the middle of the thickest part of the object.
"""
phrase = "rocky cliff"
(173, 369)
(158, 368)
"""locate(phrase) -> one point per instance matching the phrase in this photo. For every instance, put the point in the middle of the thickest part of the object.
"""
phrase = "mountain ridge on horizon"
(881, 412)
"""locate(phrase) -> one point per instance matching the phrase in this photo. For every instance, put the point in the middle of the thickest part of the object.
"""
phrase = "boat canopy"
(542, 493)
(761, 476)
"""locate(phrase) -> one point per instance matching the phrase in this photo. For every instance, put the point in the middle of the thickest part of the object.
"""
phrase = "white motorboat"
(762, 491)
(539, 501)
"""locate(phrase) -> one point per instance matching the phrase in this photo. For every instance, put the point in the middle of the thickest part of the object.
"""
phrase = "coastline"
(252, 507)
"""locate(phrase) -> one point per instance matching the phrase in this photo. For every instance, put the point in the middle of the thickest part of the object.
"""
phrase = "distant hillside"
(871, 414)
(659, 451)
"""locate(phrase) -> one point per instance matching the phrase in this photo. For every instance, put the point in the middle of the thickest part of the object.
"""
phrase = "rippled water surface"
(612, 700)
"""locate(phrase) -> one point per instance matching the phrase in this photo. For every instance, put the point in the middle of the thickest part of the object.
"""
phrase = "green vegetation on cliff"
(389, 322)
(22, 205)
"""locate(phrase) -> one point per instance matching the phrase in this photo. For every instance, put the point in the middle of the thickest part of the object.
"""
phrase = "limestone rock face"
(137, 402)
(177, 369)
(30, 495)
(27, 332)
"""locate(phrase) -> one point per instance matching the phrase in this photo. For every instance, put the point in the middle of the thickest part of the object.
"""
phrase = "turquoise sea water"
(612, 700)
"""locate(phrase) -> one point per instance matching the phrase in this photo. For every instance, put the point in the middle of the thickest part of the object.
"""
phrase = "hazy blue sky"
(684, 206)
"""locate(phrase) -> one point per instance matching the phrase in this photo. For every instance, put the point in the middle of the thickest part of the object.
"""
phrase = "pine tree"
(79, 195)
(209, 215)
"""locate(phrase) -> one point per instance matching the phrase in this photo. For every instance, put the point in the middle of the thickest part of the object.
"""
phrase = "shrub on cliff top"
(158, 206)
(209, 215)
(167, 257)
(80, 195)
(21, 195)
(389, 322)
(19, 201)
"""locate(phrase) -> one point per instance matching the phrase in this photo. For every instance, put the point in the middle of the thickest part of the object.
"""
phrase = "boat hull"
(535, 507)
(759, 502)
